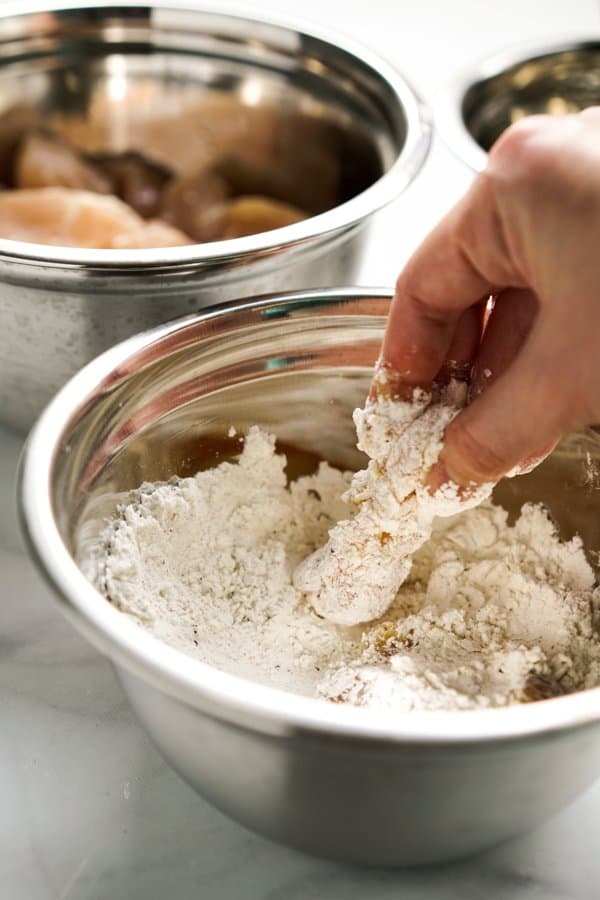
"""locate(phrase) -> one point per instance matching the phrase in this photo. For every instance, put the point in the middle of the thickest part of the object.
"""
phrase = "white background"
(88, 809)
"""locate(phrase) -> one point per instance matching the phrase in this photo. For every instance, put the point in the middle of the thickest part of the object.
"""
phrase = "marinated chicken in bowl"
(62, 186)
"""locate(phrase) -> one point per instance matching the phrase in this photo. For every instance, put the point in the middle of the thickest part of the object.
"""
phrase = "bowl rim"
(198, 684)
(387, 188)
(447, 103)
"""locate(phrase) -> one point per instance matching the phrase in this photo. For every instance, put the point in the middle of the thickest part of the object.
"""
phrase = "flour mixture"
(355, 576)
(489, 614)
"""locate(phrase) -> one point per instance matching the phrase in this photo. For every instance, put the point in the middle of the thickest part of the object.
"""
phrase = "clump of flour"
(489, 614)
(355, 576)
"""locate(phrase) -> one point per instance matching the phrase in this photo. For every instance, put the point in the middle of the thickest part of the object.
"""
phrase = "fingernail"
(389, 384)
(531, 462)
(436, 477)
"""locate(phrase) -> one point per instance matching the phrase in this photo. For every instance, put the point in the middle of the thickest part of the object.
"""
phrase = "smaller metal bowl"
(553, 79)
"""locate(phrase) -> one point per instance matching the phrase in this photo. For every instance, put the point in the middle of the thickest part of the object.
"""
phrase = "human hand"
(527, 232)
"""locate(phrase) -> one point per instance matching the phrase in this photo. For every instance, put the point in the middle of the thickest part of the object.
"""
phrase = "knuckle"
(469, 459)
(526, 152)
(431, 314)
(410, 288)
(518, 137)
(590, 114)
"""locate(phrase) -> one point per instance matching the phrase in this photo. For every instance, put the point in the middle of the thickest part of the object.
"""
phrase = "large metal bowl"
(121, 65)
(553, 78)
(341, 782)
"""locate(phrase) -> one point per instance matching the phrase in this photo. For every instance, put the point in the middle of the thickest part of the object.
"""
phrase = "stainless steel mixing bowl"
(342, 782)
(115, 65)
(554, 79)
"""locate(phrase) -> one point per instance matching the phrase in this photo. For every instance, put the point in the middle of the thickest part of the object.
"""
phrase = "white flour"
(489, 614)
(355, 576)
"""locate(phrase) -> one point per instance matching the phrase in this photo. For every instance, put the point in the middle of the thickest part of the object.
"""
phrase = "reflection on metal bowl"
(324, 123)
(551, 79)
(347, 783)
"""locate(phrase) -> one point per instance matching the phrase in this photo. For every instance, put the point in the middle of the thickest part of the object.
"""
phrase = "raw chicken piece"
(150, 233)
(185, 130)
(136, 180)
(203, 208)
(304, 166)
(197, 205)
(43, 160)
(356, 575)
(13, 124)
(252, 215)
(262, 150)
(69, 218)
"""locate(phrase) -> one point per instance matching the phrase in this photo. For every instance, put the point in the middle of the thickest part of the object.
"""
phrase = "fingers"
(507, 328)
(463, 260)
(458, 364)
(464, 345)
(529, 221)
(526, 408)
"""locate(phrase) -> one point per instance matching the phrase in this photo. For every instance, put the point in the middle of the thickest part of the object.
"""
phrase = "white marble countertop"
(88, 809)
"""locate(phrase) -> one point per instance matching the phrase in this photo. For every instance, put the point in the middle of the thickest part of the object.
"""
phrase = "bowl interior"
(554, 83)
(189, 88)
(164, 405)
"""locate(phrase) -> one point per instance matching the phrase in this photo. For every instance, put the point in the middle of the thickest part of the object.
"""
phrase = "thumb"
(527, 408)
